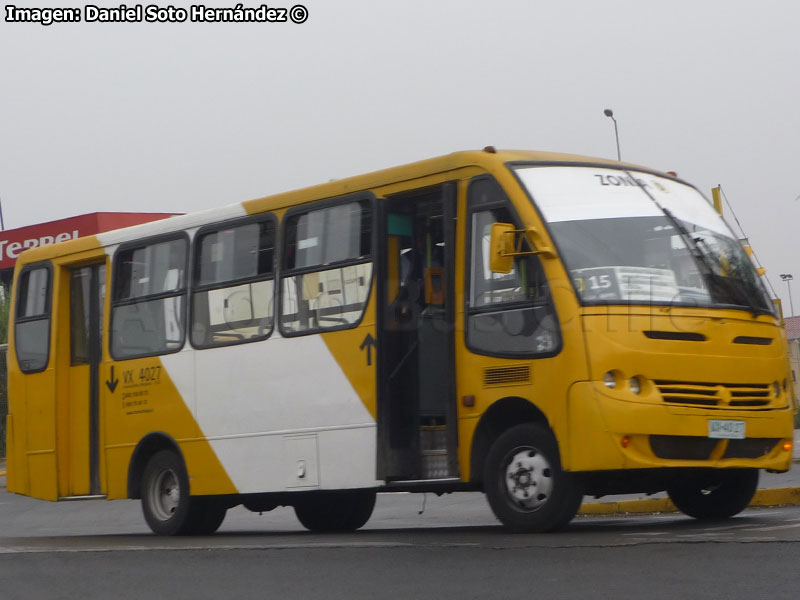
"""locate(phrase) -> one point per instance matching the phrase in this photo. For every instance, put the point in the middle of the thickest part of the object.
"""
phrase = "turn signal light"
(787, 445)
(625, 441)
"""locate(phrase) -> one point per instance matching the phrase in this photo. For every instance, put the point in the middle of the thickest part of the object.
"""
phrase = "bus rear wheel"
(205, 515)
(335, 511)
(167, 506)
(524, 483)
(714, 494)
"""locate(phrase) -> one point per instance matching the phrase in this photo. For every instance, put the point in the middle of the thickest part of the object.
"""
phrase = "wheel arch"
(148, 446)
(501, 416)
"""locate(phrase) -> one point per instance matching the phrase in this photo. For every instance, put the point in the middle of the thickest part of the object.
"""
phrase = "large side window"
(32, 320)
(509, 314)
(149, 291)
(232, 298)
(327, 267)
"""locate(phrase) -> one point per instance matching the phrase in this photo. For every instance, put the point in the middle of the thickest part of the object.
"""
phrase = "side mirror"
(501, 248)
(537, 241)
(506, 242)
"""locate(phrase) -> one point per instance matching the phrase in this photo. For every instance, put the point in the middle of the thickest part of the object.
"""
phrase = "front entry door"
(416, 393)
(86, 299)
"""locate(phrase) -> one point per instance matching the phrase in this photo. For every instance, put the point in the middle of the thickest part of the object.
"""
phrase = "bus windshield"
(633, 237)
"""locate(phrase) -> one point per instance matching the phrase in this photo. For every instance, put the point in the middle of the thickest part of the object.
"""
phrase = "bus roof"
(489, 159)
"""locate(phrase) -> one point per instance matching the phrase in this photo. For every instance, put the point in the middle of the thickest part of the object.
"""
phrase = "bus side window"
(233, 283)
(32, 320)
(327, 267)
(148, 306)
(509, 314)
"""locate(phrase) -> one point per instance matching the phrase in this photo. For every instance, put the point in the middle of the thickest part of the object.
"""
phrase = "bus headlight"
(776, 388)
(635, 384)
(610, 380)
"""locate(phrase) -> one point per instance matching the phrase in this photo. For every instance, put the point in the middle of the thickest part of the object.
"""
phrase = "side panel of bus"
(523, 346)
(285, 397)
(256, 399)
(292, 412)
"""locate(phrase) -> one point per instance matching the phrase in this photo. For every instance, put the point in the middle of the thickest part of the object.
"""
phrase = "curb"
(764, 497)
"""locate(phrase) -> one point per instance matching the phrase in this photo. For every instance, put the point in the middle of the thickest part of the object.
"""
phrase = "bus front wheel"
(714, 494)
(167, 506)
(524, 483)
(335, 511)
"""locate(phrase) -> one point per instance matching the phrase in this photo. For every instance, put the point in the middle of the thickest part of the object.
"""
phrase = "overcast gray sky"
(181, 117)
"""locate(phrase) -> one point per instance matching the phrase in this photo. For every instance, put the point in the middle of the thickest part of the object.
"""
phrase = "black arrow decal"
(368, 343)
(112, 381)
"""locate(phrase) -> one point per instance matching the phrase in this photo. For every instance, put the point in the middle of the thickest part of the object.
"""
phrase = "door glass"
(32, 328)
(79, 290)
(510, 314)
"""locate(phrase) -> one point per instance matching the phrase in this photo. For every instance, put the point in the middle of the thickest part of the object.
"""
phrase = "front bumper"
(608, 434)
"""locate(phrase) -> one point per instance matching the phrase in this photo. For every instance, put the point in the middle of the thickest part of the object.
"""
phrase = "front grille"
(506, 375)
(678, 336)
(754, 341)
(739, 395)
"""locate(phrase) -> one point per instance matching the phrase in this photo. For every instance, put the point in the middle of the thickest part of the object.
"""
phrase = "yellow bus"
(537, 326)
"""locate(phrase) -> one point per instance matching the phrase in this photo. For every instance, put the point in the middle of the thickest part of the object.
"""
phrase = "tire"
(524, 460)
(206, 515)
(166, 503)
(718, 494)
(335, 511)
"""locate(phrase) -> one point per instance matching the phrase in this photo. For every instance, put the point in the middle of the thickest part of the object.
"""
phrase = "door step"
(76, 498)
(433, 443)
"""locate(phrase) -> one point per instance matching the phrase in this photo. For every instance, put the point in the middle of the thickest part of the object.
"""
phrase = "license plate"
(725, 430)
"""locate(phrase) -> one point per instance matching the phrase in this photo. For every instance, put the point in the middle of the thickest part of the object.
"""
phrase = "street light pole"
(610, 113)
(787, 277)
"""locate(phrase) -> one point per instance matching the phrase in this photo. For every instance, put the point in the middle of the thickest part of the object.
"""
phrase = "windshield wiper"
(733, 286)
(735, 291)
(739, 286)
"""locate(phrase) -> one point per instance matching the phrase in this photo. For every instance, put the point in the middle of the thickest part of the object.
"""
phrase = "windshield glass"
(634, 237)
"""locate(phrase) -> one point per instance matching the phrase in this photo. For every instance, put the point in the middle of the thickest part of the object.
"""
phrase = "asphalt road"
(664, 571)
(454, 549)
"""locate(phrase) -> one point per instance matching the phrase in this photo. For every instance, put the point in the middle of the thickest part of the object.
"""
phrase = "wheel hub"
(529, 479)
(165, 495)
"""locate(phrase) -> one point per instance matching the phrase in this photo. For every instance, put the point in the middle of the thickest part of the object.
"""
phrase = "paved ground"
(656, 558)
(414, 546)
